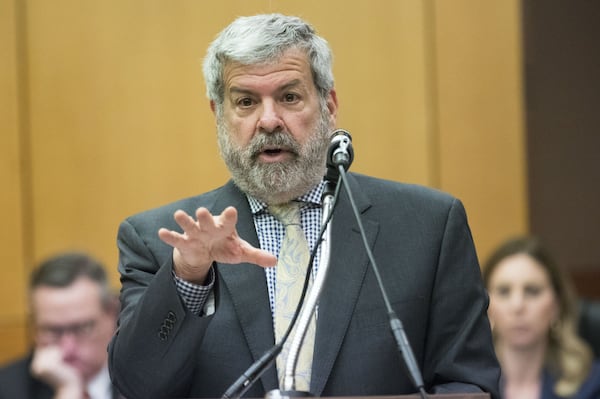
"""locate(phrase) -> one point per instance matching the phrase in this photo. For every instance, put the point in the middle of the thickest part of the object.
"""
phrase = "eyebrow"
(286, 86)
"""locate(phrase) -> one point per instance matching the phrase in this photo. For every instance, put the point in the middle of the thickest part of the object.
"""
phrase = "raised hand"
(49, 366)
(209, 238)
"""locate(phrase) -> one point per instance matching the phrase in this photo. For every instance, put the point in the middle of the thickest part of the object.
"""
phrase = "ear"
(332, 106)
(213, 107)
(113, 305)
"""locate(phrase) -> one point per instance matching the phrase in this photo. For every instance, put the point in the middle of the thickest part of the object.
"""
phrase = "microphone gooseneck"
(395, 324)
(340, 156)
(258, 368)
(340, 150)
(339, 153)
(249, 377)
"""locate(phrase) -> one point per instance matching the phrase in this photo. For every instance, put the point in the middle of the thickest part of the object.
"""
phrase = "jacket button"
(171, 316)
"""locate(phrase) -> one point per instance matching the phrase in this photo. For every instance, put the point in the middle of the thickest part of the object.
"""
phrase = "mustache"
(278, 139)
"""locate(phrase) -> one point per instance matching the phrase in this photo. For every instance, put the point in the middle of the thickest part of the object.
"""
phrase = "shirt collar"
(100, 385)
(313, 197)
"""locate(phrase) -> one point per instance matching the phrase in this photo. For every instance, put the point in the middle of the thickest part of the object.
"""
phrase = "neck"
(522, 366)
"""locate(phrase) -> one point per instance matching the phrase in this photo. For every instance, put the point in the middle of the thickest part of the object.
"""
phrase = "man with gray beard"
(201, 299)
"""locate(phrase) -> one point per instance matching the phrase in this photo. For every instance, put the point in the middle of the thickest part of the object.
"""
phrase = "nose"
(517, 301)
(68, 343)
(270, 119)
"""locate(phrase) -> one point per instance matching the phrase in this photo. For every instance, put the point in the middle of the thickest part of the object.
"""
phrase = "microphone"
(340, 153)
(339, 158)
(253, 373)
(340, 150)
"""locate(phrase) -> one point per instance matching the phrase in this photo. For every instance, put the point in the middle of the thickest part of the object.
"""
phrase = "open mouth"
(272, 151)
(275, 154)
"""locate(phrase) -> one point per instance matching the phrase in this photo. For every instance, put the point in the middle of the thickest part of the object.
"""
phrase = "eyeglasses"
(79, 331)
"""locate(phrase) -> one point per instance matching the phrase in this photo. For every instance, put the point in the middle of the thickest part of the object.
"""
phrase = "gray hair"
(262, 39)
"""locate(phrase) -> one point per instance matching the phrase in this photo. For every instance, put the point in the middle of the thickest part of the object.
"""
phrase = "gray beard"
(275, 183)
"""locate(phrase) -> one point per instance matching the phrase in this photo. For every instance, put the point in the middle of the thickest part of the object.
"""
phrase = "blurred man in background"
(73, 314)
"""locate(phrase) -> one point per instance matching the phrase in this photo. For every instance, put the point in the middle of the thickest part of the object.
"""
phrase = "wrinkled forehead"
(266, 60)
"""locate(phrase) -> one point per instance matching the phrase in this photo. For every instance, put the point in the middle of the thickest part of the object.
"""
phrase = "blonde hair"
(568, 357)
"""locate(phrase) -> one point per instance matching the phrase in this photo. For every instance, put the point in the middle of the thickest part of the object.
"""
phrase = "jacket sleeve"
(460, 354)
(152, 352)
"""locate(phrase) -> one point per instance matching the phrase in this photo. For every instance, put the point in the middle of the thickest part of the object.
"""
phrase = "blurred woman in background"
(533, 315)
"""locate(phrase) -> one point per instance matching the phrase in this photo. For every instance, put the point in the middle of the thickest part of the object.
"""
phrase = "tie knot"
(288, 213)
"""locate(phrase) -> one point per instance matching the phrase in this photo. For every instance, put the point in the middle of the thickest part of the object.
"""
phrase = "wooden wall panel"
(14, 339)
(117, 120)
(480, 115)
(12, 266)
(120, 123)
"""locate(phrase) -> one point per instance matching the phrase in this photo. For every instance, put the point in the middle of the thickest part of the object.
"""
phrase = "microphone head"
(340, 150)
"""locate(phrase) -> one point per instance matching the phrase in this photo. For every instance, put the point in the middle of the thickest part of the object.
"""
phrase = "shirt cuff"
(198, 299)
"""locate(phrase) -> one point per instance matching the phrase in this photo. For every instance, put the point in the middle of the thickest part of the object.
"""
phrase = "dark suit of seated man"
(197, 307)
(74, 316)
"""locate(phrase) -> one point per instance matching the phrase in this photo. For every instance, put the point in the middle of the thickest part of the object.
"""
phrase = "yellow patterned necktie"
(291, 271)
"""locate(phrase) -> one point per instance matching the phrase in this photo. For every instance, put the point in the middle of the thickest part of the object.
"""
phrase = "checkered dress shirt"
(199, 299)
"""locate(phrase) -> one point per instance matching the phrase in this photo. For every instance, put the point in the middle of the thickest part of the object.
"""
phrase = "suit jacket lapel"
(251, 305)
(342, 286)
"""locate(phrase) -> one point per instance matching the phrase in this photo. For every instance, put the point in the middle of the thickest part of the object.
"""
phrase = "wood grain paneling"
(114, 118)
(12, 266)
(480, 119)
(14, 339)
(120, 123)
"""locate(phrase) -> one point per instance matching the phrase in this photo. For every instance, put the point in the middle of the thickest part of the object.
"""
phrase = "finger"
(263, 259)
(204, 217)
(170, 237)
(185, 221)
(229, 216)
(258, 256)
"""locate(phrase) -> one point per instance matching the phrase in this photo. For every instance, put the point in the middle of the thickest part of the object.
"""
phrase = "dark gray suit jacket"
(422, 244)
(17, 382)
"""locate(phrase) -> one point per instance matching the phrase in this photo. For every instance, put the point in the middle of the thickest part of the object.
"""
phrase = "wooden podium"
(417, 396)
(431, 396)
(436, 396)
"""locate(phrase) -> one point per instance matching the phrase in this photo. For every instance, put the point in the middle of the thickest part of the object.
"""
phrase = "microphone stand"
(396, 325)
(253, 373)
(309, 307)
(340, 156)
